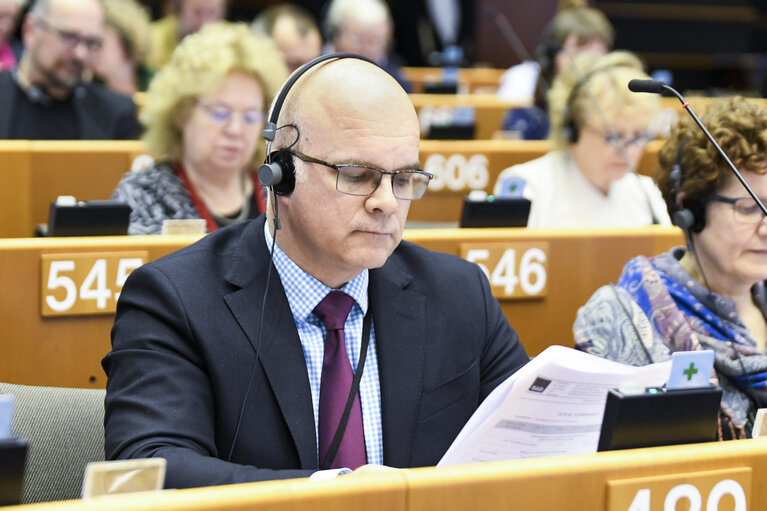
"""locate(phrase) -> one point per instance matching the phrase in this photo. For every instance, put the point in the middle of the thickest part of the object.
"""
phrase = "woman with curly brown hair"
(711, 295)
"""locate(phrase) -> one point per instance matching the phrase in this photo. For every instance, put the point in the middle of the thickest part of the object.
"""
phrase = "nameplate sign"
(85, 283)
(516, 271)
(457, 172)
(716, 490)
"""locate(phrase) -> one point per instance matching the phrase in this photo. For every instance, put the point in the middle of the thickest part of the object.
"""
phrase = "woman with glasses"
(204, 114)
(712, 294)
(599, 131)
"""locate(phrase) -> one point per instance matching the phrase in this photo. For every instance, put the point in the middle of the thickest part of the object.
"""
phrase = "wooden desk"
(488, 109)
(470, 79)
(34, 173)
(67, 351)
(573, 483)
(700, 103)
(460, 166)
(579, 263)
(63, 351)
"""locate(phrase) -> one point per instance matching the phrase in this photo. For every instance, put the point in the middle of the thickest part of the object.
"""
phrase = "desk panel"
(34, 173)
(67, 351)
(572, 483)
(488, 109)
(579, 262)
(470, 79)
(57, 351)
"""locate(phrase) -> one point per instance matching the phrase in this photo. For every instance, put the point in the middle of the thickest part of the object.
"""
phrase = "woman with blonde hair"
(599, 131)
(203, 115)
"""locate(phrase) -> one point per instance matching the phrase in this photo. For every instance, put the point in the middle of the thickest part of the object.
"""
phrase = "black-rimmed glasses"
(745, 209)
(71, 39)
(354, 179)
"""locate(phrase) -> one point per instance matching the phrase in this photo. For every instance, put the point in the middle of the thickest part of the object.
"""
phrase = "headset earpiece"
(684, 219)
(570, 131)
(279, 172)
(690, 214)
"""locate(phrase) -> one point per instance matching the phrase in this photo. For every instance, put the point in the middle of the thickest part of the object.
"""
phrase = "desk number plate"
(84, 283)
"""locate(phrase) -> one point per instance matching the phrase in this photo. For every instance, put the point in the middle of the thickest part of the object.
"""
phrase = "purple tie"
(336, 384)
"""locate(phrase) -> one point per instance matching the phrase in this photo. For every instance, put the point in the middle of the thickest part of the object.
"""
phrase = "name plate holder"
(715, 490)
(516, 271)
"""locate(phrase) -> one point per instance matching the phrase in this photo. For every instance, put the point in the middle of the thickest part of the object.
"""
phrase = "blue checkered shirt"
(304, 293)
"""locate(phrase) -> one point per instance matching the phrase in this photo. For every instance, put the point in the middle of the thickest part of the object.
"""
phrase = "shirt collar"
(304, 292)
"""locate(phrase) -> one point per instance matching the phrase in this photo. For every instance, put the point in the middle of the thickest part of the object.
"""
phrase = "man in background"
(49, 95)
(295, 32)
(364, 27)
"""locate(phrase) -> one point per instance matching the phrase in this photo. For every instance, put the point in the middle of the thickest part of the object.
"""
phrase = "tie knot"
(333, 309)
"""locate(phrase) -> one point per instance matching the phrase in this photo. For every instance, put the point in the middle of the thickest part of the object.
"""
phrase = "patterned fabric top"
(658, 308)
(157, 194)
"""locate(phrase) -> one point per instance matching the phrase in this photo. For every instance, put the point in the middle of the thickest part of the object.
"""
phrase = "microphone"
(652, 86)
(656, 87)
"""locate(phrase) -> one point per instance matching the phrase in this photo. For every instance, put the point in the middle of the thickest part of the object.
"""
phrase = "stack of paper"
(552, 406)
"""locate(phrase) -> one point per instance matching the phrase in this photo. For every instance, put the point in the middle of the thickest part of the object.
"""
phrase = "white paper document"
(550, 407)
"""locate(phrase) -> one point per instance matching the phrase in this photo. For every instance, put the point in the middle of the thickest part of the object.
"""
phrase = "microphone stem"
(719, 149)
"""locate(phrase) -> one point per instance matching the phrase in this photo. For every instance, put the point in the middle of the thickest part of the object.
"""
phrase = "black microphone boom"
(652, 86)
(655, 87)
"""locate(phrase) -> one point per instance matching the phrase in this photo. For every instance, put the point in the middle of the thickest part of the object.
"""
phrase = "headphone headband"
(270, 130)
(279, 172)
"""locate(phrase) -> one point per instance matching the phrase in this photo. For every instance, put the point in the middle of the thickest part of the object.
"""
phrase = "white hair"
(365, 12)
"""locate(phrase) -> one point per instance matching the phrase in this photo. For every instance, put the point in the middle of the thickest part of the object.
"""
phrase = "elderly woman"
(126, 44)
(204, 114)
(711, 296)
(599, 131)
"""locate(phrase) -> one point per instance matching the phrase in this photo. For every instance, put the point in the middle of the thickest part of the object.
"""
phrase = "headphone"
(689, 214)
(570, 130)
(279, 171)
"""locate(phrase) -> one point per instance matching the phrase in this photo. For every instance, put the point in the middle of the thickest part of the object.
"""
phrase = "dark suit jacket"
(103, 114)
(183, 351)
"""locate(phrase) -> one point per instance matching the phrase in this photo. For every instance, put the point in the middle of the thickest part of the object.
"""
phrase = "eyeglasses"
(362, 180)
(72, 39)
(615, 139)
(745, 209)
(222, 115)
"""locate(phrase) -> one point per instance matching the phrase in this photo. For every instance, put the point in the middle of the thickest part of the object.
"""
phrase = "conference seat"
(65, 431)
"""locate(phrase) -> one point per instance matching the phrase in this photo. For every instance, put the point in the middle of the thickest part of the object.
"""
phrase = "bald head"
(357, 131)
(297, 44)
(329, 99)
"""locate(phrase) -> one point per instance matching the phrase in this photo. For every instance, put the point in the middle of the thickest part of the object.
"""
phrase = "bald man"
(225, 379)
(49, 97)
(294, 31)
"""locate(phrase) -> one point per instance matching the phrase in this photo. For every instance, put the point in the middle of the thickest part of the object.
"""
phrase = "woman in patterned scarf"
(204, 114)
(710, 295)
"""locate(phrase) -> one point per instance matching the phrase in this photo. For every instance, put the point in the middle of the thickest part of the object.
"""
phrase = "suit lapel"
(280, 351)
(400, 330)
(8, 91)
